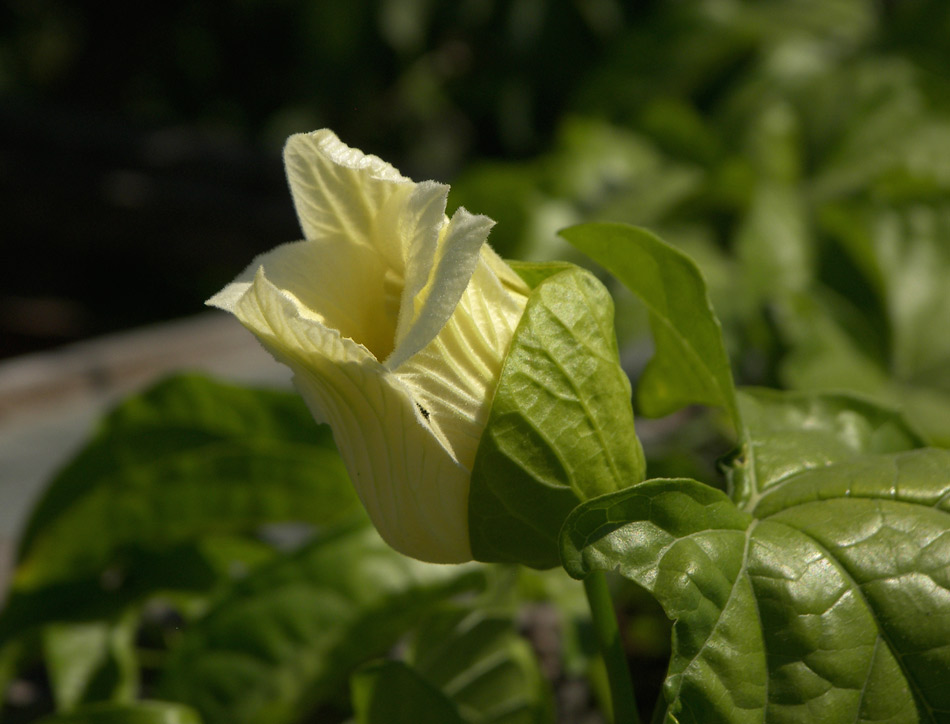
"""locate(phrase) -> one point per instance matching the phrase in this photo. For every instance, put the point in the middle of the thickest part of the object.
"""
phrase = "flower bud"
(472, 411)
(395, 321)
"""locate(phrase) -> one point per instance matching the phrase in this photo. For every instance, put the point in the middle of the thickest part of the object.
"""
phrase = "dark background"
(140, 143)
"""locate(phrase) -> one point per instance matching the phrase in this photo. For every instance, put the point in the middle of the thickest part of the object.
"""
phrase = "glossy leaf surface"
(787, 433)
(828, 600)
(561, 425)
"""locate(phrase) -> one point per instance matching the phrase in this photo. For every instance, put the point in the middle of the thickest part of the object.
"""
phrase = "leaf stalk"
(622, 696)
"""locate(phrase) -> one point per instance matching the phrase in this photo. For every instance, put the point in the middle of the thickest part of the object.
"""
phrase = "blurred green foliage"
(800, 153)
(153, 133)
(425, 82)
(797, 150)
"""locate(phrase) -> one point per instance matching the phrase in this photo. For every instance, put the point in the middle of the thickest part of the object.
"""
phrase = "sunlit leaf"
(824, 596)
(787, 433)
(561, 424)
(690, 363)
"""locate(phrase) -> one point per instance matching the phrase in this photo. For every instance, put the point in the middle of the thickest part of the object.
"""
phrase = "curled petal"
(414, 490)
(338, 190)
(436, 283)
(454, 376)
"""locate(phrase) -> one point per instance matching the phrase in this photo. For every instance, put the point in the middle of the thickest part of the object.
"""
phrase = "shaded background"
(774, 141)
(139, 147)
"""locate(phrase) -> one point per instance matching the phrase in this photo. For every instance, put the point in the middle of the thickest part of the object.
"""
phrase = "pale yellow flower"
(395, 321)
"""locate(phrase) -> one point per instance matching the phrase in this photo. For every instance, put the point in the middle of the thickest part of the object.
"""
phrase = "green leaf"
(91, 661)
(390, 692)
(286, 638)
(479, 661)
(690, 363)
(144, 712)
(185, 569)
(186, 458)
(561, 423)
(789, 432)
(822, 356)
(534, 273)
(774, 243)
(829, 601)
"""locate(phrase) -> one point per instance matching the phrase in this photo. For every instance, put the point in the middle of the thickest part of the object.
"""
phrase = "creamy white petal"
(447, 273)
(322, 276)
(341, 192)
(454, 376)
(421, 227)
(413, 489)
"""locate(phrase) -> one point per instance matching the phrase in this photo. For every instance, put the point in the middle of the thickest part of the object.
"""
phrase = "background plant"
(797, 151)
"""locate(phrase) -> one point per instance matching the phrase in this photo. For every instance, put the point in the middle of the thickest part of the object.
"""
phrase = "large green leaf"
(391, 692)
(561, 423)
(186, 458)
(690, 363)
(91, 661)
(789, 432)
(286, 638)
(827, 600)
(479, 661)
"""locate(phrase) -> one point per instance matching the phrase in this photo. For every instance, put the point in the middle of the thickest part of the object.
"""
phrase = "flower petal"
(421, 226)
(436, 280)
(321, 275)
(454, 376)
(340, 192)
(413, 489)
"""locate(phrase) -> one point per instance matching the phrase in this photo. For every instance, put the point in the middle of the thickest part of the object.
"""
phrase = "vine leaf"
(561, 426)
(690, 365)
(827, 599)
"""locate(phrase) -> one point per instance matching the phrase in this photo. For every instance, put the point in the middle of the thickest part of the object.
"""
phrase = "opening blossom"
(395, 321)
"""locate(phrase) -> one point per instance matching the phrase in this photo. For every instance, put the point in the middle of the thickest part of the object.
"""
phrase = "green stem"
(611, 648)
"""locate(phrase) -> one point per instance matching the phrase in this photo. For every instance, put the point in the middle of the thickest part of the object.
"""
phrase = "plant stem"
(611, 648)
